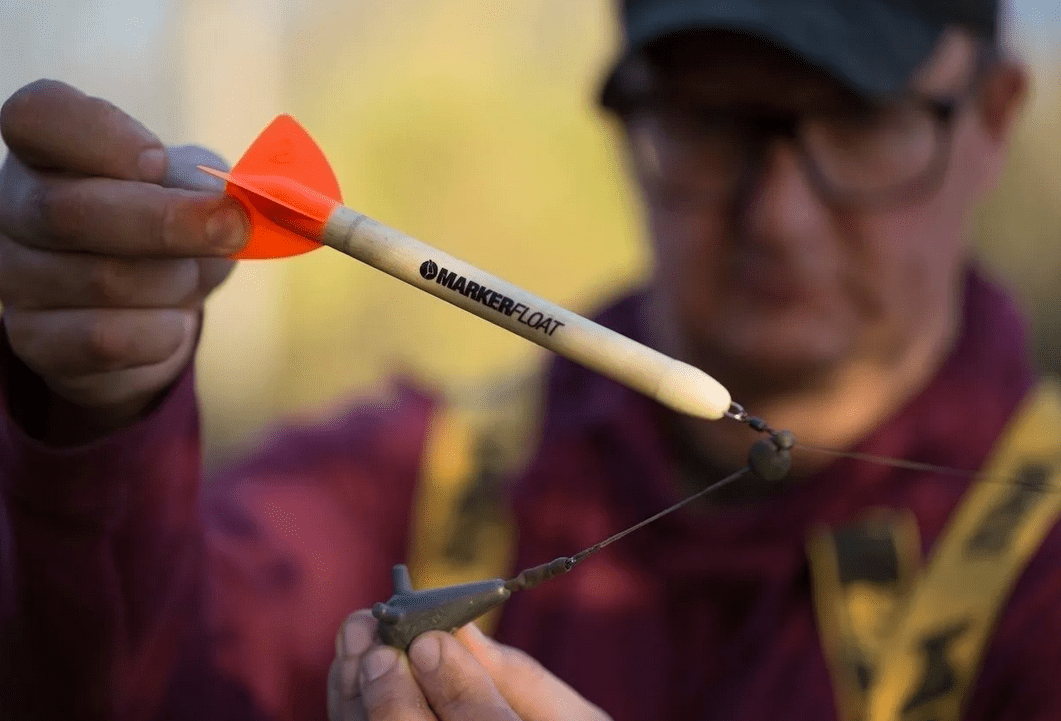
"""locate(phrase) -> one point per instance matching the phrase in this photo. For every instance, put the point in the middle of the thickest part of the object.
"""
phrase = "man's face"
(771, 278)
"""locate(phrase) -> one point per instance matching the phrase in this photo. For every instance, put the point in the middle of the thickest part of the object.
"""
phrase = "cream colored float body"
(292, 198)
(678, 385)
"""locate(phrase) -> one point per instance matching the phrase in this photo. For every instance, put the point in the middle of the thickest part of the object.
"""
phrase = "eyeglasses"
(863, 155)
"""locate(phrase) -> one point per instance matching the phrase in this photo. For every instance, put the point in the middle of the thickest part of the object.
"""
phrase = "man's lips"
(775, 284)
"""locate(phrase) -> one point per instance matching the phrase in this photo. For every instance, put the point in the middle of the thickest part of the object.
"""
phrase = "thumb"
(182, 170)
(532, 692)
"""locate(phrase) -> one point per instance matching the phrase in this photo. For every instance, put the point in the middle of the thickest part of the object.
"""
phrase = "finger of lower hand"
(32, 278)
(118, 217)
(74, 343)
(388, 690)
(356, 634)
(342, 706)
(122, 394)
(51, 125)
(532, 692)
(454, 682)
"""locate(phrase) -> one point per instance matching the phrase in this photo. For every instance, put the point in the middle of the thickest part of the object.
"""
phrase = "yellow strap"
(462, 529)
(862, 575)
(935, 651)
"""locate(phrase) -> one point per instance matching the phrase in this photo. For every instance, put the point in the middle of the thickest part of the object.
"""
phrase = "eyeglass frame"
(944, 111)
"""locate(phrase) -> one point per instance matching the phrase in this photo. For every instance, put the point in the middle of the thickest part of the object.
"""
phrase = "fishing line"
(779, 442)
(410, 612)
(933, 468)
(533, 576)
(736, 412)
(581, 555)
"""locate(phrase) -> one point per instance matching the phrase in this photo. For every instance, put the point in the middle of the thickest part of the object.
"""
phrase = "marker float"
(292, 198)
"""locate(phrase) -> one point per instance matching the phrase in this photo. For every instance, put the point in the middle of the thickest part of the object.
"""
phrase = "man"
(807, 169)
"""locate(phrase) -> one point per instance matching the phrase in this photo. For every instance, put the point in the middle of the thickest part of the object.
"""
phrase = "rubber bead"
(784, 440)
(768, 461)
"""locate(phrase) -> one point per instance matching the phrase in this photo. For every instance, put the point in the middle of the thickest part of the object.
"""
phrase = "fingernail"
(425, 653)
(226, 229)
(476, 635)
(356, 638)
(152, 165)
(379, 662)
(478, 642)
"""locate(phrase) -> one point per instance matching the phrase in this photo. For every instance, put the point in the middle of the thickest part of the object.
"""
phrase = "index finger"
(454, 682)
(50, 125)
(116, 217)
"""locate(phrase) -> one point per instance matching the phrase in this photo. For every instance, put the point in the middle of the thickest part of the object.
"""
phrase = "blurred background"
(469, 124)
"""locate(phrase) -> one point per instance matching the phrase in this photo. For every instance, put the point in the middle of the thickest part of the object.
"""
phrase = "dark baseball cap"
(873, 46)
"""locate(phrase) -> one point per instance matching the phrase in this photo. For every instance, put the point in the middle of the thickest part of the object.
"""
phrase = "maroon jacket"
(130, 590)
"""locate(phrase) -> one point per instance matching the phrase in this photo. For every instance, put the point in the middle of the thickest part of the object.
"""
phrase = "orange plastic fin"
(287, 188)
(272, 200)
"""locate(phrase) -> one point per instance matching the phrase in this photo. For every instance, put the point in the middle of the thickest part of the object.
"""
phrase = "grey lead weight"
(408, 613)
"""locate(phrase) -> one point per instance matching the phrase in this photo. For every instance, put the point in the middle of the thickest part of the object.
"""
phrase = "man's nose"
(779, 204)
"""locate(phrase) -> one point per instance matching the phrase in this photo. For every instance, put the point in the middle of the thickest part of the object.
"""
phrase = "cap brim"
(873, 48)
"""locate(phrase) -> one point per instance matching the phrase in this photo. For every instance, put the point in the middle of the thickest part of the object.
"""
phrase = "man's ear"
(1002, 97)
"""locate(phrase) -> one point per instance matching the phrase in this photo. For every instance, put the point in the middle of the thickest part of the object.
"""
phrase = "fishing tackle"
(408, 613)
(293, 202)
